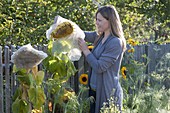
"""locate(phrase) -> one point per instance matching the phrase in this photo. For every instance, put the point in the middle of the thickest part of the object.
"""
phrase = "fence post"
(76, 88)
(7, 81)
(80, 67)
(147, 60)
(13, 77)
(1, 83)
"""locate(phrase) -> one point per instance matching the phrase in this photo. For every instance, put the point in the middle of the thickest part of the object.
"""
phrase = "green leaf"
(52, 65)
(53, 86)
(56, 76)
(20, 106)
(46, 62)
(64, 57)
(39, 77)
(24, 79)
(36, 96)
(71, 69)
(21, 71)
(17, 94)
(57, 67)
(62, 69)
(50, 45)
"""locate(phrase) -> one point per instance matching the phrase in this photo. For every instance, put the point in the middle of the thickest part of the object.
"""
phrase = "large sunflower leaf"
(36, 96)
(57, 67)
(20, 106)
(62, 69)
(17, 94)
(52, 66)
(24, 79)
(39, 77)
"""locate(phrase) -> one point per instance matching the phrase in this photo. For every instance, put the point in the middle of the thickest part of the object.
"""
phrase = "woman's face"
(102, 24)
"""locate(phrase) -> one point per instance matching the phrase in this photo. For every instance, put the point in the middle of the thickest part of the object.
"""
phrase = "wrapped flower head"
(83, 79)
(27, 57)
(65, 34)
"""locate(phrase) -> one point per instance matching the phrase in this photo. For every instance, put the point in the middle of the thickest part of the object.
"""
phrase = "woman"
(105, 58)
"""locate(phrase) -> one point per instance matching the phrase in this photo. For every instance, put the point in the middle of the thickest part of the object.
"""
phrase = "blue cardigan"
(106, 65)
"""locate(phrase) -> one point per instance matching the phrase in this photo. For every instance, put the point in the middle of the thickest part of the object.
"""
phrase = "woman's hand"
(83, 46)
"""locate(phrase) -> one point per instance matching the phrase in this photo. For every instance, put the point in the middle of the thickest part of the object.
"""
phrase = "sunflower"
(62, 30)
(90, 47)
(83, 79)
(132, 42)
(64, 36)
(67, 95)
(132, 50)
(124, 70)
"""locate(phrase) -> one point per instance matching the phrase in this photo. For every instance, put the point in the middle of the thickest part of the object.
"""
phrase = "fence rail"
(8, 82)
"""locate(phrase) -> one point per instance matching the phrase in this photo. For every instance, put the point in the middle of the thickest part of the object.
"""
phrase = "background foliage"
(26, 21)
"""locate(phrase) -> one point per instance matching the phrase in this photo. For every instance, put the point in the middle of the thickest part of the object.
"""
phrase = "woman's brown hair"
(110, 13)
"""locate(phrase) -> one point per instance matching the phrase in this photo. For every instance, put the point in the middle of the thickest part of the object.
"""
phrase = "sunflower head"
(132, 50)
(90, 47)
(66, 95)
(124, 71)
(83, 79)
(62, 30)
(132, 42)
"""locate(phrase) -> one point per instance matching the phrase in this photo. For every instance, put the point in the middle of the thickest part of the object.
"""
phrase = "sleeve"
(112, 51)
(90, 36)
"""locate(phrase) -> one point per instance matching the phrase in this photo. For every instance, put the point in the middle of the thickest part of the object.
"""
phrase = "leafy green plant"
(110, 107)
(60, 68)
(144, 92)
(30, 93)
(162, 68)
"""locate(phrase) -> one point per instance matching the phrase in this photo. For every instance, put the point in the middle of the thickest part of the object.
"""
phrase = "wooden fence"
(8, 82)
